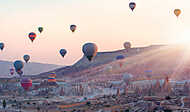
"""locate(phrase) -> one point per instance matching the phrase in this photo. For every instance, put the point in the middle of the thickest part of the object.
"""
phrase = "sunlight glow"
(183, 38)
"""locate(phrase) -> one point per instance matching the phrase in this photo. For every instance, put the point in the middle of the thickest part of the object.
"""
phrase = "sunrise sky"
(108, 23)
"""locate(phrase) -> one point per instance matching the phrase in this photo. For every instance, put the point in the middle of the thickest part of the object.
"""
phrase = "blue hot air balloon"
(2, 45)
(90, 50)
(18, 64)
(132, 5)
(63, 52)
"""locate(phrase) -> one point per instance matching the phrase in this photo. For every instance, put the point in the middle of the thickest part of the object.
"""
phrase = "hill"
(139, 58)
(29, 68)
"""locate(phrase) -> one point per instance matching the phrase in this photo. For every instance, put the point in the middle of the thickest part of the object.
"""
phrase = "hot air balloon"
(127, 45)
(89, 50)
(177, 12)
(2, 46)
(63, 52)
(26, 58)
(132, 5)
(18, 65)
(26, 83)
(12, 71)
(32, 36)
(40, 29)
(73, 28)
(52, 79)
(120, 57)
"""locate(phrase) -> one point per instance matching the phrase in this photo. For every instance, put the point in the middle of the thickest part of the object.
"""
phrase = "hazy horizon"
(108, 23)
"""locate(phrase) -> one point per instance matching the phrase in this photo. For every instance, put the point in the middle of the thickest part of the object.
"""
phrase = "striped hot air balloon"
(51, 77)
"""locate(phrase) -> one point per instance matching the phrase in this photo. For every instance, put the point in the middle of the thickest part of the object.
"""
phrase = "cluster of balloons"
(32, 35)
(89, 50)
(132, 6)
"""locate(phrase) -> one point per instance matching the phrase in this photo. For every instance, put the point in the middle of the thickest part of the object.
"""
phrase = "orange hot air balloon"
(177, 12)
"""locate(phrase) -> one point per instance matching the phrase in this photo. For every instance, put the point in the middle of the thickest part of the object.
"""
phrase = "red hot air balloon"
(26, 83)
(32, 36)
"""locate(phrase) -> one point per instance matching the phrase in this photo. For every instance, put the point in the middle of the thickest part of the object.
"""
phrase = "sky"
(108, 23)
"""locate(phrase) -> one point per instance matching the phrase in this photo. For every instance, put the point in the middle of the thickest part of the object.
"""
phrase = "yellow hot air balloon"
(177, 12)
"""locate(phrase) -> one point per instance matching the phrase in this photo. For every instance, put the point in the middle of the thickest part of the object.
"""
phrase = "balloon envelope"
(127, 45)
(73, 28)
(132, 5)
(40, 29)
(89, 50)
(32, 36)
(26, 58)
(62, 52)
(18, 65)
(177, 12)
(26, 83)
(2, 46)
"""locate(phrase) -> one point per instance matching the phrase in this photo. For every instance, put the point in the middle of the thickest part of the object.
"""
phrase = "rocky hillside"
(102, 58)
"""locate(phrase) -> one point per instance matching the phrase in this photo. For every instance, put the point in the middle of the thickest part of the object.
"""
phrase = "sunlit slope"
(102, 60)
(163, 61)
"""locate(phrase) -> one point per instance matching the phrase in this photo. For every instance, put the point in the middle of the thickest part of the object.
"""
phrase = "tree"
(4, 104)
